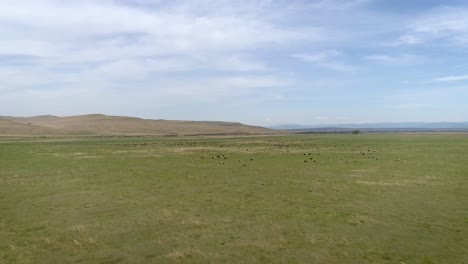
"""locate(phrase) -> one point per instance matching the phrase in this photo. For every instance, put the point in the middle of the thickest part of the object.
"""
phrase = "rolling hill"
(103, 125)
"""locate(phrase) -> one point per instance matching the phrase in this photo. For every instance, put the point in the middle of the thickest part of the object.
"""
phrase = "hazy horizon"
(274, 126)
(257, 62)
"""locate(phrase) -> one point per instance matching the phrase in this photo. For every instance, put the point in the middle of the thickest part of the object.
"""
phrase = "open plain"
(368, 198)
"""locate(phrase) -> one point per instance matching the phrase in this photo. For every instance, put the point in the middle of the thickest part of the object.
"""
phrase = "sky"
(261, 62)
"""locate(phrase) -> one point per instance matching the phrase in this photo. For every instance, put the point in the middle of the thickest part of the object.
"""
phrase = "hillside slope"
(97, 124)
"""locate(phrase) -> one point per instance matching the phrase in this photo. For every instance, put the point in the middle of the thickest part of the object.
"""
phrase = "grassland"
(394, 198)
(104, 125)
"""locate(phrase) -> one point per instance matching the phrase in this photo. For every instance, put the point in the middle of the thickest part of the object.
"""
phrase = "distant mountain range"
(379, 127)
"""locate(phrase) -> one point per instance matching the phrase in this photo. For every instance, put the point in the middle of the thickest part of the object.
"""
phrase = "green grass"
(383, 198)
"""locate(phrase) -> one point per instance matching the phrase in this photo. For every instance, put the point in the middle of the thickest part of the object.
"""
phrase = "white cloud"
(238, 63)
(448, 24)
(451, 78)
(103, 30)
(318, 57)
(442, 21)
(218, 88)
(410, 39)
(401, 59)
(412, 106)
(329, 59)
(144, 98)
(107, 45)
(336, 4)
(134, 56)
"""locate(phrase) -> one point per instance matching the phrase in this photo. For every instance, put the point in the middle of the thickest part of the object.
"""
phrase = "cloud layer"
(258, 60)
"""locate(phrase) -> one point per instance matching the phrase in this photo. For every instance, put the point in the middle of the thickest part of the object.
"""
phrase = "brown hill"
(97, 124)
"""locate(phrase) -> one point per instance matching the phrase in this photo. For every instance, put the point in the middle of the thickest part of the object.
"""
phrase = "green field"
(383, 198)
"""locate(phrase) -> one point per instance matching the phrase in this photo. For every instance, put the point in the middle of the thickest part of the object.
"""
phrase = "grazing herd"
(310, 153)
(313, 156)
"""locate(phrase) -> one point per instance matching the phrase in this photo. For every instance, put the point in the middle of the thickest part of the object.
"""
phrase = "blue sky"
(258, 62)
